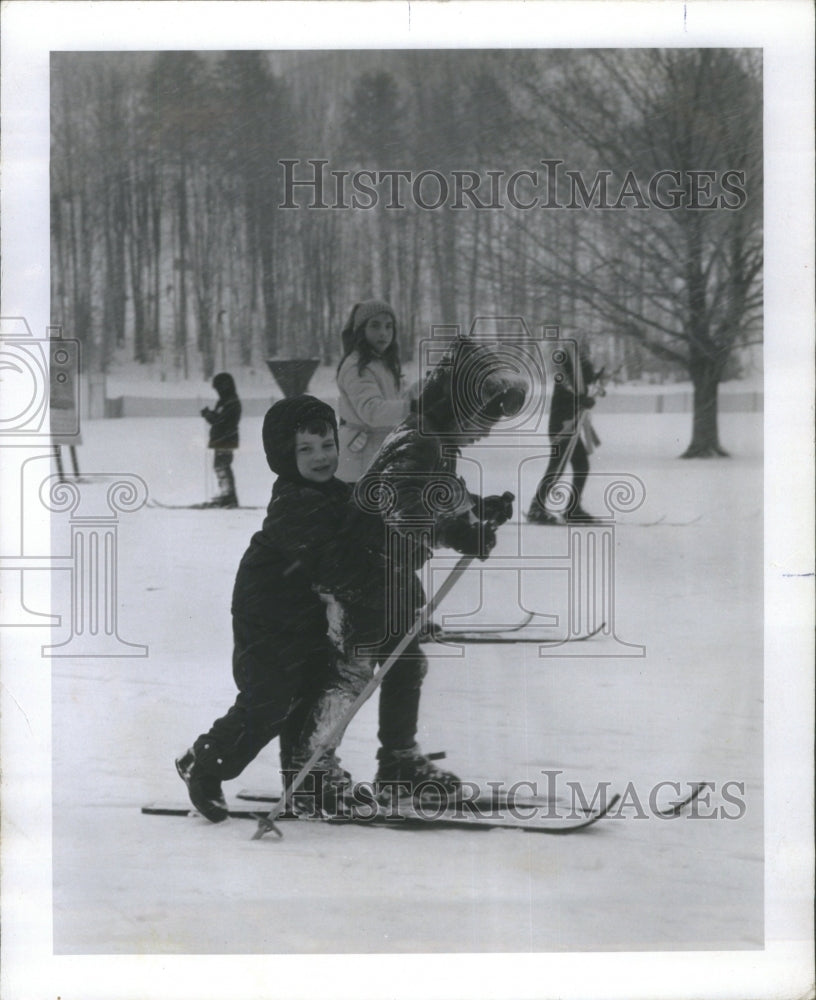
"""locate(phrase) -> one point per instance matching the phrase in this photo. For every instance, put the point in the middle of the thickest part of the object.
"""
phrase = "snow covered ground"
(689, 589)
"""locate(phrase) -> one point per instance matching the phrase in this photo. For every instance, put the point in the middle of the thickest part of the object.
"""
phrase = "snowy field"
(689, 589)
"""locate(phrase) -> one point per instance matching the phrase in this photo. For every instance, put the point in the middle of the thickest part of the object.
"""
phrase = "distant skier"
(570, 399)
(223, 421)
(281, 652)
(376, 595)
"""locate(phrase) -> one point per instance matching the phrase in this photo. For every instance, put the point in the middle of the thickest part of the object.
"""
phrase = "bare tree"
(669, 243)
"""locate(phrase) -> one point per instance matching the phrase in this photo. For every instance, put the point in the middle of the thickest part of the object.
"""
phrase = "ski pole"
(266, 824)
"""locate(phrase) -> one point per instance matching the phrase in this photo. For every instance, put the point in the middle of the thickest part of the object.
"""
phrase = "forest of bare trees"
(617, 194)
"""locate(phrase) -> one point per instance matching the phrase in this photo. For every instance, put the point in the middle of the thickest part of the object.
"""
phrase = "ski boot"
(226, 501)
(204, 789)
(579, 516)
(411, 775)
(538, 515)
(326, 792)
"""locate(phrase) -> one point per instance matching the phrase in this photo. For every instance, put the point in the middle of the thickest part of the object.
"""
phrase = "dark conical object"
(292, 374)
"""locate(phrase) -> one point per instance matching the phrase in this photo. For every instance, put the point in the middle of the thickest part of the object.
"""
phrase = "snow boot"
(227, 501)
(324, 793)
(204, 789)
(538, 515)
(411, 774)
(579, 516)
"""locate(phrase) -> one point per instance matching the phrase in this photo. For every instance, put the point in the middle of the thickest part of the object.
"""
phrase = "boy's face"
(315, 456)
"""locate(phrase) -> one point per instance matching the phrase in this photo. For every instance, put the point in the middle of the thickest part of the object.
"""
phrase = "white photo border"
(784, 30)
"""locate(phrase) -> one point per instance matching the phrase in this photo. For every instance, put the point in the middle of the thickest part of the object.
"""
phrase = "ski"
(540, 819)
(433, 630)
(196, 506)
(484, 801)
(660, 522)
(399, 815)
(497, 636)
(180, 809)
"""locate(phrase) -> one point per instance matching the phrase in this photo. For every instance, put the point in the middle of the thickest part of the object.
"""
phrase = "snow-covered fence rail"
(738, 401)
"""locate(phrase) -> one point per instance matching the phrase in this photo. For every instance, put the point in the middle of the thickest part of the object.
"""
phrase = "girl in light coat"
(369, 380)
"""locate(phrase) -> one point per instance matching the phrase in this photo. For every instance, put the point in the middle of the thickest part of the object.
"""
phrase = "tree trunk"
(705, 438)
(181, 328)
(205, 336)
(703, 367)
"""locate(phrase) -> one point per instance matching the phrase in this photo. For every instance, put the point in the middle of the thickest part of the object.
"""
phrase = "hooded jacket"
(224, 419)
(296, 545)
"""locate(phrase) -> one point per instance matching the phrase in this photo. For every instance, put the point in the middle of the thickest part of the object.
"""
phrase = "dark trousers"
(222, 464)
(580, 472)
(278, 676)
(399, 699)
(363, 650)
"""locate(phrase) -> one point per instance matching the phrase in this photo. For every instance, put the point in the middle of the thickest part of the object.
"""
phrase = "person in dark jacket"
(570, 399)
(281, 653)
(223, 421)
(410, 501)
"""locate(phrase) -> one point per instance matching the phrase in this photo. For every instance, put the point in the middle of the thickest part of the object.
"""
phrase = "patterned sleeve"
(418, 485)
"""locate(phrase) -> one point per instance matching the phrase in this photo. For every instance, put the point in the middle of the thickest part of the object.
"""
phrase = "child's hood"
(472, 387)
(280, 424)
(224, 385)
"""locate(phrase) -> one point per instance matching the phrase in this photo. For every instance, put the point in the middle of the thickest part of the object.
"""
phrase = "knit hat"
(360, 314)
(283, 419)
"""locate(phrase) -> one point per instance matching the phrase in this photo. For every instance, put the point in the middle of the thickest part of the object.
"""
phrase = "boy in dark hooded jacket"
(223, 421)
(410, 501)
(281, 653)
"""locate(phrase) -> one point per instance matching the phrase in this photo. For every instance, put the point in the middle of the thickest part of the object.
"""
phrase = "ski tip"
(678, 807)
(590, 820)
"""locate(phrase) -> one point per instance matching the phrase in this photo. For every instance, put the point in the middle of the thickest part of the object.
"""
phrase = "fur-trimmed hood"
(473, 386)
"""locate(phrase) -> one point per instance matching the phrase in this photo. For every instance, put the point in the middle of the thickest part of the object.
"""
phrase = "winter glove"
(586, 402)
(497, 509)
(476, 539)
(205, 412)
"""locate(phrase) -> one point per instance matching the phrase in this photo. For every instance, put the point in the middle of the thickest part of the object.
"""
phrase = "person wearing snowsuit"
(570, 397)
(223, 421)
(409, 502)
(369, 377)
(281, 653)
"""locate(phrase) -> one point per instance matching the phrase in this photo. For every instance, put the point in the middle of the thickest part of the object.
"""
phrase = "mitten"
(476, 539)
(586, 402)
(497, 509)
